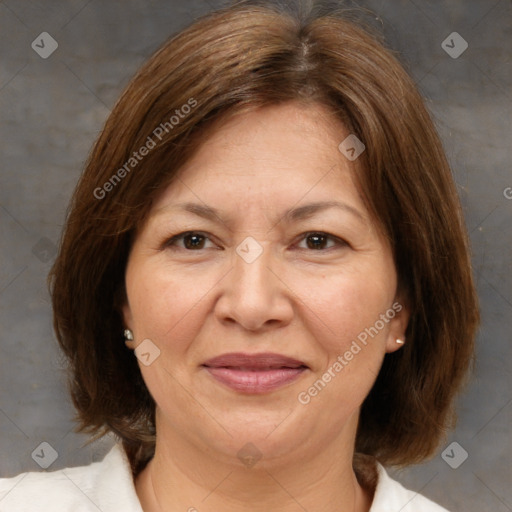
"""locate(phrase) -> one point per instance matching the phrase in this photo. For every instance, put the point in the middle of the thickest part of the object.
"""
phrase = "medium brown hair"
(243, 57)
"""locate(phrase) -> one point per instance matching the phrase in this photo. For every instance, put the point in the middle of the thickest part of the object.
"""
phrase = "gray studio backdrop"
(63, 64)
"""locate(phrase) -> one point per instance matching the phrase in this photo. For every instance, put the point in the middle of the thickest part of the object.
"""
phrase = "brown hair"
(243, 57)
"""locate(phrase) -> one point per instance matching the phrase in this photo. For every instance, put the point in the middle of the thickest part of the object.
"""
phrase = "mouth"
(254, 373)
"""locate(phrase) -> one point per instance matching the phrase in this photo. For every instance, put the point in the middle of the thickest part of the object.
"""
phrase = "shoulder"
(106, 486)
(391, 496)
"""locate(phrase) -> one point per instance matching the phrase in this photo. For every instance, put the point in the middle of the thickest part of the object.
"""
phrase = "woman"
(263, 287)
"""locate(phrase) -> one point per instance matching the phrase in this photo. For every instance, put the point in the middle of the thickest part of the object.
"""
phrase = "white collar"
(108, 486)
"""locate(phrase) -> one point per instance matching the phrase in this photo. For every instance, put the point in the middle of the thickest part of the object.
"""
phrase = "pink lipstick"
(254, 373)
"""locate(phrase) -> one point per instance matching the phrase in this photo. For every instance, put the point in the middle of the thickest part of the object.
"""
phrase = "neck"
(182, 477)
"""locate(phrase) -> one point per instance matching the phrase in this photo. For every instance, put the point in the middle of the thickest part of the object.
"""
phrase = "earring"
(128, 335)
(399, 341)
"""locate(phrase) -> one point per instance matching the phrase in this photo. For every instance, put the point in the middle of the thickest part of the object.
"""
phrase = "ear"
(398, 324)
(126, 313)
(122, 305)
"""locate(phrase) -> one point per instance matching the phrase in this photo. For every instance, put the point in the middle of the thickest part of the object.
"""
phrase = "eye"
(192, 240)
(317, 241)
(196, 240)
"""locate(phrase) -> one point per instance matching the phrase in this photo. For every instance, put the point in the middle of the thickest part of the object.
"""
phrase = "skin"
(294, 299)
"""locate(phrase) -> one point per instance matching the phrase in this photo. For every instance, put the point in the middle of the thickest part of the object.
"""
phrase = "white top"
(107, 486)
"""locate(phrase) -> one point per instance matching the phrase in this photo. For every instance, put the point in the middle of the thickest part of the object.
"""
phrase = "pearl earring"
(399, 341)
(128, 335)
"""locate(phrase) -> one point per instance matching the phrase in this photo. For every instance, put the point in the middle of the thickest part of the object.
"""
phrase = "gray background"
(52, 110)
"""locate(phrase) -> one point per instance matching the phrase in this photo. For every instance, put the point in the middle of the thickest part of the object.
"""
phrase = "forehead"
(280, 154)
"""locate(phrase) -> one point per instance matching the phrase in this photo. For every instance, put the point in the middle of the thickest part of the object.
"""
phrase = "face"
(269, 301)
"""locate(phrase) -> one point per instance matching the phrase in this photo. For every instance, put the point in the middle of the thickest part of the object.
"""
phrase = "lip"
(254, 373)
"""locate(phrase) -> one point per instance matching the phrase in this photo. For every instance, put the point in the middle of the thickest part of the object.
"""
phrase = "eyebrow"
(291, 215)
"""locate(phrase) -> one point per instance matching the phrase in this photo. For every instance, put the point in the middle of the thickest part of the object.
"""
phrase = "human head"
(271, 57)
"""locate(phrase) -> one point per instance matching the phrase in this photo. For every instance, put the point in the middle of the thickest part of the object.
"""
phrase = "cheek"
(344, 316)
(345, 305)
(164, 305)
(164, 301)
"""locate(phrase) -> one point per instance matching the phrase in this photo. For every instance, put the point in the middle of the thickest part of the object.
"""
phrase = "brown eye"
(318, 241)
(194, 241)
(191, 240)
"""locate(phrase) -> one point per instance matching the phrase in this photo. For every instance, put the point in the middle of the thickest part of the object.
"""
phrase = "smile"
(254, 373)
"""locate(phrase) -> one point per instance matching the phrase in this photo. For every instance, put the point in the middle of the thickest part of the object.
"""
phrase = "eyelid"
(169, 242)
(339, 242)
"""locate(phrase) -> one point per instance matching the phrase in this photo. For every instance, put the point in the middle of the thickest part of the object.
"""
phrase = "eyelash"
(170, 243)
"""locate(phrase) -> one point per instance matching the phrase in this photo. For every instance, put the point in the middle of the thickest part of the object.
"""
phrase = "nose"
(255, 294)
